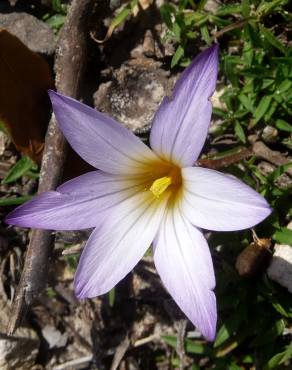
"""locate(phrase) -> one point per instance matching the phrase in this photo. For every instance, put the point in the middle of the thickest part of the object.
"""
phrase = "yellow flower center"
(172, 179)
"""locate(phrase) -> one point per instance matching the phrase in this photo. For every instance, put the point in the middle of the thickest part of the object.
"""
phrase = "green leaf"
(190, 346)
(262, 108)
(202, 4)
(228, 9)
(279, 358)
(283, 60)
(196, 348)
(274, 361)
(246, 102)
(176, 31)
(279, 171)
(283, 125)
(266, 7)
(170, 340)
(239, 132)
(248, 53)
(282, 305)
(56, 21)
(272, 39)
(166, 11)
(230, 70)
(120, 17)
(205, 34)
(19, 169)
(177, 56)
(14, 201)
(284, 86)
(111, 297)
(283, 236)
(245, 5)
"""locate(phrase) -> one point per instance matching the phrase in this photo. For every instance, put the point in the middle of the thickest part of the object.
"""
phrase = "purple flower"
(141, 196)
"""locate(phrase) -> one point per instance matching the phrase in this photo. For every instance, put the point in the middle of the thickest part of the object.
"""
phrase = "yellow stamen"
(160, 185)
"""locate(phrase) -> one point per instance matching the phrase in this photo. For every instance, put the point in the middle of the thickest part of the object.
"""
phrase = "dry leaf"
(24, 104)
(253, 257)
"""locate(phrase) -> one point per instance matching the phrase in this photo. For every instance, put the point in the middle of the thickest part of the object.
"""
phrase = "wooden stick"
(70, 65)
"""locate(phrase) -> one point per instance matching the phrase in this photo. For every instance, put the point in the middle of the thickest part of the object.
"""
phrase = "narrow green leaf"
(279, 171)
(166, 11)
(284, 86)
(177, 56)
(248, 53)
(246, 102)
(111, 297)
(239, 132)
(202, 4)
(283, 125)
(14, 201)
(205, 34)
(245, 8)
(171, 340)
(176, 31)
(262, 108)
(283, 60)
(266, 7)
(272, 39)
(120, 17)
(228, 9)
(279, 358)
(18, 170)
(56, 21)
(283, 236)
(196, 348)
(283, 306)
(274, 361)
(220, 112)
(230, 70)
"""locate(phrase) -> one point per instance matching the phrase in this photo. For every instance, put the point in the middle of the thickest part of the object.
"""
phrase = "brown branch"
(259, 149)
(226, 161)
(70, 64)
(231, 27)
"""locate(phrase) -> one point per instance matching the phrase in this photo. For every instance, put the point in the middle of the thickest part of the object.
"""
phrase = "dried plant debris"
(24, 106)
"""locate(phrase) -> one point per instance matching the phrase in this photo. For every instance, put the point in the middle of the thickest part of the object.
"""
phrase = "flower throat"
(172, 179)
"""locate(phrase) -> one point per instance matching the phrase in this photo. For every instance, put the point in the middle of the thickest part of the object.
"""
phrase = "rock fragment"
(35, 34)
(20, 351)
(133, 93)
(280, 269)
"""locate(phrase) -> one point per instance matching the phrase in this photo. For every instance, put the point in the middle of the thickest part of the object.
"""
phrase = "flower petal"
(99, 139)
(181, 123)
(183, 261)
(216, 201)
(77, 204)
(117, 244)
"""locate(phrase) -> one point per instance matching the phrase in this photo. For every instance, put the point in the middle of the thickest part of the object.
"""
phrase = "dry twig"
(180, 346)
(120, 352)
(74, 363)
(70, 65)
(226, 161)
